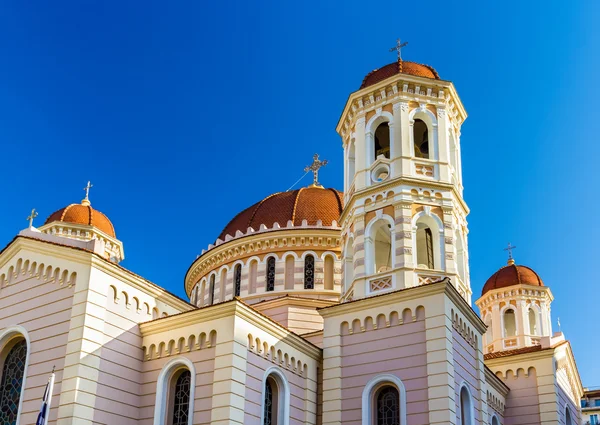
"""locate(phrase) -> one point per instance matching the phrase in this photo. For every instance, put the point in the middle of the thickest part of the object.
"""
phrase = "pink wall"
(44, 310)
(256, 368)
(465, 370)
(399, 350)
(522, 402)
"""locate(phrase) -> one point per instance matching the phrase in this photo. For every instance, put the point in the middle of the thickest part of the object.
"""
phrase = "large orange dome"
(83, 214)
(510, 275)
(403, 67)
(310, 204)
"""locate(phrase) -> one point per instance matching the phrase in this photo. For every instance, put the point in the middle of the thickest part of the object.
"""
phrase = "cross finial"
(33, 215)
(314, 167)
(86, 200)
(510, 248)
(398, 48)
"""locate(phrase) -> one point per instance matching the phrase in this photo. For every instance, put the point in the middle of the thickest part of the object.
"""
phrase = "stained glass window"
(238, 279)
(388, 406)
(271, 274)
(268, 414)
(12, 380)
(309, 272)
(181, 406)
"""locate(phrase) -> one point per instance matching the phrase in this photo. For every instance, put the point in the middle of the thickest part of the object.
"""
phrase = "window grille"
(271, 274)
(268, 413)
(388, 406)
(238, 280)
(211, 293)
(429, 244)
(181, 406)
(309, 272)
(11, 383)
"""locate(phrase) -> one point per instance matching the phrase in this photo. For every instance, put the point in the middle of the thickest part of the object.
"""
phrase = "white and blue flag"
(45, 410)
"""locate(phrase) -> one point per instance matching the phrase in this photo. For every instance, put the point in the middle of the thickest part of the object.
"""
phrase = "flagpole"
(50, 390)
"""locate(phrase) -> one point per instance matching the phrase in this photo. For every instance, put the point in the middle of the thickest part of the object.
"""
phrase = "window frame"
(165, 377)
(7, 336)
(282, 397)
(370, 390)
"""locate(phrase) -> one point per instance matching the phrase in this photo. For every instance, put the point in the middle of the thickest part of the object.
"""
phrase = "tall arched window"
(348, 264)
(388, 406)
(180, 398)
(270, 275)
(533, 322)
(380, 240)
(510, 323)
(252, 276)
(223, 284)
(211, 291)
(329, 270)
(174, 403)
(495, 420)
(568, 419)
(466, 409)
(202, 293)
(382, 140)
(425, 246)
(12, 381)
(289, 272)
(309, 272)
(237, 277)
(421, 139)
(276, 399)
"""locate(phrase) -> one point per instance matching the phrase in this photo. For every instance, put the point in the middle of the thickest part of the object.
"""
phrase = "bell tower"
(404, 222)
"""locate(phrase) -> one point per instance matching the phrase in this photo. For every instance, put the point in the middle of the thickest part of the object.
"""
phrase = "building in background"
(590, 407)
(313, 306)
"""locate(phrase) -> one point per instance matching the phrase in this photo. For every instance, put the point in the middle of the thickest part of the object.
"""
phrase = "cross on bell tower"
(314, 167)
(86, 200)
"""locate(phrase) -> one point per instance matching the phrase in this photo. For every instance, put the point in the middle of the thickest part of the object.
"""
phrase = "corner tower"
(404, 222)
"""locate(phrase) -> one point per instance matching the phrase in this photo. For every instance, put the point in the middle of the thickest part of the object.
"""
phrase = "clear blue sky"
(182, 115)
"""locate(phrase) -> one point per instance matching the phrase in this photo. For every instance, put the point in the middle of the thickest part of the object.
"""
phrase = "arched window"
(351, 161)
(203, 293)
(568, 419)
(270, 275)
(348, 264)
(380, 241)
(421, 139)
(382, 140)
(466, 409)
(329, 271)
(461, 258)
(211, 291)
(252, 276)
(276, 399)
(289, 272)
(237, 277)
(425, 250)
(309, 272)
(533, 323)
(11, 382)
(510, 323)
(175, 393)
(388, 406)
(180, 398)
(495, 420)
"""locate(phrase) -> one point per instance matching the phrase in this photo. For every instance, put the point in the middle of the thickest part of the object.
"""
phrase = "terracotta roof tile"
(404, 67)
(83, 214)
(514, 352)
(310, 204)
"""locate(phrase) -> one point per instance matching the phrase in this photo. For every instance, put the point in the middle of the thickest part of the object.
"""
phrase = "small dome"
(402, 67)
(83, 214)
(310, 204)
(510, 275)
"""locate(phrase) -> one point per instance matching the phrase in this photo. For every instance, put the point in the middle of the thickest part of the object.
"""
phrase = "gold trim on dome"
(296, 205)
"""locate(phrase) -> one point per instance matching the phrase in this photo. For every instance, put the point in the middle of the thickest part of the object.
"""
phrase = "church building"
(313, 306)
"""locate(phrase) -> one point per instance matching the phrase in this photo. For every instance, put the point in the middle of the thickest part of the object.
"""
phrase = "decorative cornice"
(495, 382)
(238, 308)
(275, 240)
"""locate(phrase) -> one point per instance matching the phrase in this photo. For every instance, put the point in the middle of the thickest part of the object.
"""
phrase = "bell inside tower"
(421, 139)
(382, 140)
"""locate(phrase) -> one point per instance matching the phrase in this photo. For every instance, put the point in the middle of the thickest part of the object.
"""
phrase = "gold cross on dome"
(510, 248)
(33, 215)
(398, 48)
(314, 167)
